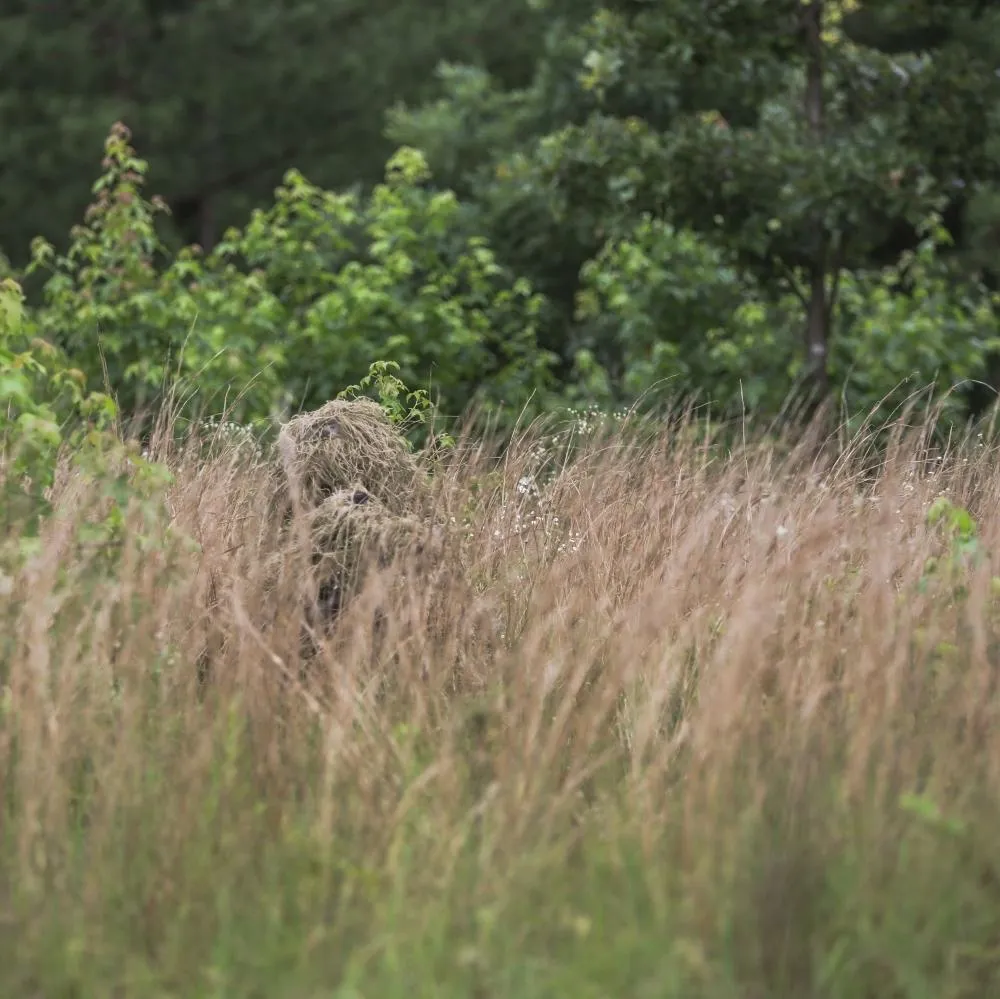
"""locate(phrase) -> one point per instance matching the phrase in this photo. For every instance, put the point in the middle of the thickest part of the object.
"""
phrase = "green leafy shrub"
(962, 546)
(911, 327)
(401, 277)
(679, 315)
(50, 424)
(683, 320)
(290, 309)
(44, 405)
(125, 312)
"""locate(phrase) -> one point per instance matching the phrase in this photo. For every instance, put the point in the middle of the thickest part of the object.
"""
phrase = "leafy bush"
(683, 320)
(50, 424)
(293, 307)
(401, 277)
(126, 313)
(289, 310)
(42, 394)
(679, 315)
(911, 327)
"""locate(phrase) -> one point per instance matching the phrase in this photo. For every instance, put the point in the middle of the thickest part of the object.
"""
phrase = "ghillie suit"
(344, 444)
(351, 496)
(350, 500)
(349, 532)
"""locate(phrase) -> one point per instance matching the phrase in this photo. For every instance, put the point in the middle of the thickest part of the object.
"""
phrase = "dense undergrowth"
(663, 718)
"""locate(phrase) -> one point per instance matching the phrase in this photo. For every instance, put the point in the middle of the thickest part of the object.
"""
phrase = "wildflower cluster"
(230, 436)
(533, 512)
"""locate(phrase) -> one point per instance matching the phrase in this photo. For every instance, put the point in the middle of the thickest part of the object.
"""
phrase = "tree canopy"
(733, 201)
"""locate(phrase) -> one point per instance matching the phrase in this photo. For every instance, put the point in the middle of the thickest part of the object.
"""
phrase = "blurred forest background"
(526, 202)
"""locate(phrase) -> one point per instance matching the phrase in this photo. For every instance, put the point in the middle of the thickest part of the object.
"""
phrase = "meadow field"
(656, 717)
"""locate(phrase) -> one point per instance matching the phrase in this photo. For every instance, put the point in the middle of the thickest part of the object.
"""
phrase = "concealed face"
(357, 495)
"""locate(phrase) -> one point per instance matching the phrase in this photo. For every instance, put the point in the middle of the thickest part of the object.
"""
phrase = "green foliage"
(408, 409)
(963, 548)
(661, 182)
(683, 318)
(912, 327)
(293, 307)
(44, 403)
(651, 215)
(402, 276)
(389, 390)
(121, 309)
(928, 812)
(946, 576)
(51, 425)
(458, 130)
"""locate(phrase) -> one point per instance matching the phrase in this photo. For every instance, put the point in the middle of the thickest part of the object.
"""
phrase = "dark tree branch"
(837, 267)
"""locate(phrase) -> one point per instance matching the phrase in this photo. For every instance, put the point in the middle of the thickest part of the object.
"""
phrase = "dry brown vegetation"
(683, 721)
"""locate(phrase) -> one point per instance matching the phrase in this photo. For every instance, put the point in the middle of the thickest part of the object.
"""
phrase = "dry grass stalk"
(733, 673)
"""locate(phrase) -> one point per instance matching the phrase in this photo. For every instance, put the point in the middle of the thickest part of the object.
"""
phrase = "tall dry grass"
(679, 722)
